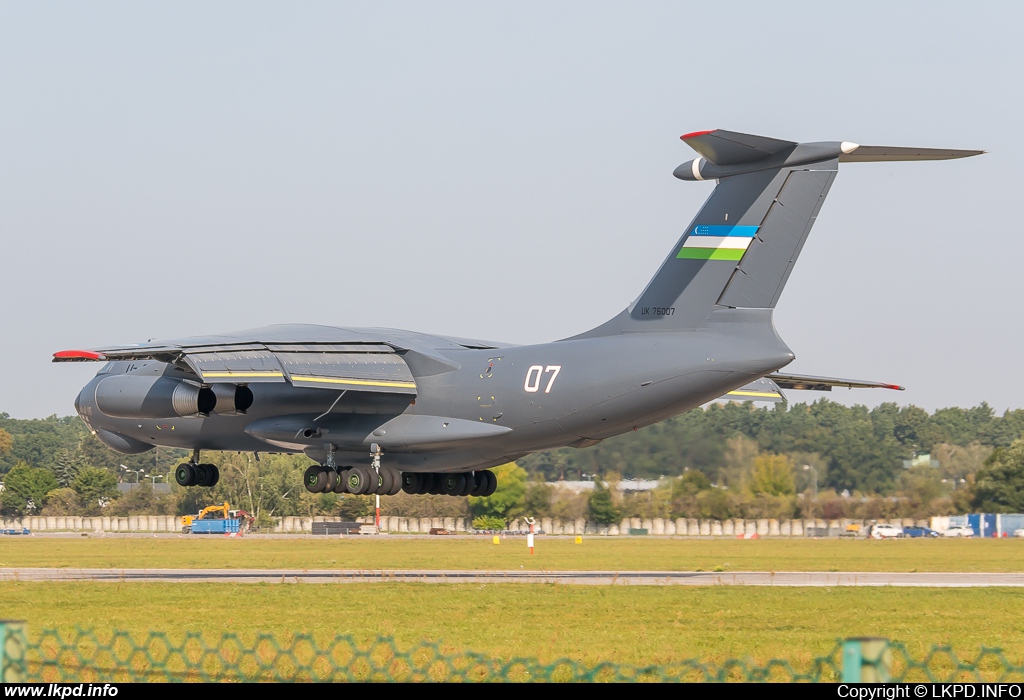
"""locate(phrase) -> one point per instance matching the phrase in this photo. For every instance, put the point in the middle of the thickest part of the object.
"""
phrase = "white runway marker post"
(529, 536)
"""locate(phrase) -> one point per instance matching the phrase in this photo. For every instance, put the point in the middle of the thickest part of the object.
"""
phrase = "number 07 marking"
(534, 374)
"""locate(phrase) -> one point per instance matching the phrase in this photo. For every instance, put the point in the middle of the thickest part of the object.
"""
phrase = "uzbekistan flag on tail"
(717, 242)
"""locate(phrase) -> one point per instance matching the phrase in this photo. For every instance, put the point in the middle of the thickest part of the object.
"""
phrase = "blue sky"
(499, 171)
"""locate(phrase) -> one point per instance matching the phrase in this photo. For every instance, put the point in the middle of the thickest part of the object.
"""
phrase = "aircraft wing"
(806, 381)
(355, 366)
(770, 388)
(763, 389)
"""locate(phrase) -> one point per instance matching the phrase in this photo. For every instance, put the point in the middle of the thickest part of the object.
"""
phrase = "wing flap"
(762, 389)
(249, 366)
(381, 372)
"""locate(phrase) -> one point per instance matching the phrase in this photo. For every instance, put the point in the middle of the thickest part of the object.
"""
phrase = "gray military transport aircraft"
(382, 410)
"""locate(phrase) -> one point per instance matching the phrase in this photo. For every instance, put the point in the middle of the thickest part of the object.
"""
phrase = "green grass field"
(638, 625)
(626, 624)
(596, 553)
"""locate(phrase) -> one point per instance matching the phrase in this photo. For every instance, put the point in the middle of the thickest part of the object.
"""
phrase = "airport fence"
(55, 656)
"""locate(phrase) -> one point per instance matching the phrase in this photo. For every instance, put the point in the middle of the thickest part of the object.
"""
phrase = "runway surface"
(636, 578)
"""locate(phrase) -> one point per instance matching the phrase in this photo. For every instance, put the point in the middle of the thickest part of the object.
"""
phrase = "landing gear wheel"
(359, 481)
(479, 484)
(331, 480)
(315, 479)
(207, 475)
(453, 484)
(396, 482)
(426, 480)
(470, 484)
(342, 485)
(412, 482)
(387, 480)
(492, 483)
(436, 484)
(185, 475)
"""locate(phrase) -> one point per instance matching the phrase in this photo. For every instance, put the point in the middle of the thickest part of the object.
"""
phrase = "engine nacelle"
(133, 396)
(231, 399)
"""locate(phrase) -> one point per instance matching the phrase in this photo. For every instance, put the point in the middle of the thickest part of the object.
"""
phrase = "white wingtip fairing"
(848, 147)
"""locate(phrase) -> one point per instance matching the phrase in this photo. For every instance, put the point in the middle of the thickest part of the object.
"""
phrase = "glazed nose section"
(86, 401)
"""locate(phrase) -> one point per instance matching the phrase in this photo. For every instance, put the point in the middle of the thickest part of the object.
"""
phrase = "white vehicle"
(1019, 533)
(959, 531)
(885, 532)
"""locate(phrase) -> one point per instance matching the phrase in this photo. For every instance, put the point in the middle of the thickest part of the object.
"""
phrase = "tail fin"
(741, 247)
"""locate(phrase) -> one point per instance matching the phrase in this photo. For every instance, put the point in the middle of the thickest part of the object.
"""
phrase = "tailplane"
(740, 249)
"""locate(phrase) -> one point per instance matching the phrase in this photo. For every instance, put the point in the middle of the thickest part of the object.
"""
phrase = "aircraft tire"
(342, 485)
(454, 484)
(470, 484)
(412, 482)
(383, 481)
(492, 483)
(479, 484)
(436, 484)
(331, 478)
(396, 482)
(202, 475)
(314, 479)
(213, 475)
(359, 481)
(426, 483)
(185, 475)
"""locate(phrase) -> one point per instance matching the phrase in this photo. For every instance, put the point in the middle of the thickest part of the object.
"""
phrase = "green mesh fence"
(87, 656)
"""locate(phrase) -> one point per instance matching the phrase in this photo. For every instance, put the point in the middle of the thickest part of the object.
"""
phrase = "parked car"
(1019, 533)
(959, 531)
(920, 532)
(884, 532)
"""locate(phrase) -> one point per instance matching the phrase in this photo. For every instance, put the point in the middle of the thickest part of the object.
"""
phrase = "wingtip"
(695, 134)
(77, 356)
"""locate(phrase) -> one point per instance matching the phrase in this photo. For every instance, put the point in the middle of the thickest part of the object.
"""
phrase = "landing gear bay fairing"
(379, 410)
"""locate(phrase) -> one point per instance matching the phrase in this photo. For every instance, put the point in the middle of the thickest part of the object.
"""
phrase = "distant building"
(157, 488)
(626, 485)
(922, 460)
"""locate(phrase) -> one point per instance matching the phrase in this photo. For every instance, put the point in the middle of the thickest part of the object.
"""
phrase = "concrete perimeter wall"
(393, 524)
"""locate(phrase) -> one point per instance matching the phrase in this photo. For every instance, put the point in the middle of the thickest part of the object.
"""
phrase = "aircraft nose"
(83, 401)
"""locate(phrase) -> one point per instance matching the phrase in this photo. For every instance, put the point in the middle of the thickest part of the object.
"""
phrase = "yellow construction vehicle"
(216, 512)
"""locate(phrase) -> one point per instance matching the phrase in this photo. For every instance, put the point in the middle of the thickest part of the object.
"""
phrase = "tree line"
(821, 459)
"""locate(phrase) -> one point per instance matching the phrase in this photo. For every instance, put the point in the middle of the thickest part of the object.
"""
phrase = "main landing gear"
(374, 479)
(481, 483)
(192, 473)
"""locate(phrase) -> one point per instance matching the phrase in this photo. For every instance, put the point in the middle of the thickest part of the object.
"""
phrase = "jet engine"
(133, 396)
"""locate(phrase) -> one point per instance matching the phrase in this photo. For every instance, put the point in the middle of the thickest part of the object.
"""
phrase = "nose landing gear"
(194, 473)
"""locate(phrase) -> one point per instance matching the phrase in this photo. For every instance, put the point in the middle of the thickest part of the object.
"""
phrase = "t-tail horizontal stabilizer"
(740, 249)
